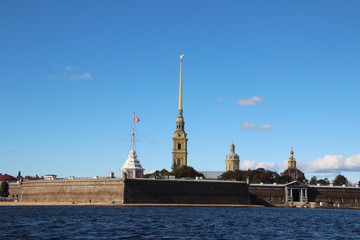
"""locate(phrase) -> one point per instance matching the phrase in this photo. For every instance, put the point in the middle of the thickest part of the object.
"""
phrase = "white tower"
(132, 167)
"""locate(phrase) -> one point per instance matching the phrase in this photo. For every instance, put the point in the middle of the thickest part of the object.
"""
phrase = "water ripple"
(193, 223)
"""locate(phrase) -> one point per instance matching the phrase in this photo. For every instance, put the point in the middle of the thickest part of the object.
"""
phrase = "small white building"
(50, 177)
(132, 167)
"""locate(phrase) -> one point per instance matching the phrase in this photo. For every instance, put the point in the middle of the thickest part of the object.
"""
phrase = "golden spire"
(292, 160)
(180, 107)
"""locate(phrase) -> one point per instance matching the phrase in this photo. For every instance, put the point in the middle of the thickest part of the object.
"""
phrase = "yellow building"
(232, 160)
(179, 152)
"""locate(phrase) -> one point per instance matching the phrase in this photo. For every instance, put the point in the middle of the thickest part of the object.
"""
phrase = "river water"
(86, 222)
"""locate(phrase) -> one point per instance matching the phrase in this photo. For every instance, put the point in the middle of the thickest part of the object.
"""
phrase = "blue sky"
(266, 75)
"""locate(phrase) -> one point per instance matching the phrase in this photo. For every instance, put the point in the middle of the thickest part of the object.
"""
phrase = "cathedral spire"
(180, 107)
(179, 138)
(180, 120)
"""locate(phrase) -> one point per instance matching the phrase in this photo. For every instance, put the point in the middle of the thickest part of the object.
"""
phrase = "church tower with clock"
(179, 152)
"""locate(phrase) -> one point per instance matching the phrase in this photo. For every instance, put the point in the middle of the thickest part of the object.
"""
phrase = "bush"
(186, 172)
(4, 189)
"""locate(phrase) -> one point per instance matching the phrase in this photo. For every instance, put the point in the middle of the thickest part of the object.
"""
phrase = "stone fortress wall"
(106, 190)
(185, 191)
(131, 191)
(267, 195)
(172, 191)
(274, 195)
(349, 196)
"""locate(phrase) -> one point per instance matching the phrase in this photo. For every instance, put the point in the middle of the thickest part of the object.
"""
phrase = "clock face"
(179, 135)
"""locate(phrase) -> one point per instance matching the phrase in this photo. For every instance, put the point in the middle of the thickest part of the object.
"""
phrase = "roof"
(296, 184)
(7, 177)
(211, 174)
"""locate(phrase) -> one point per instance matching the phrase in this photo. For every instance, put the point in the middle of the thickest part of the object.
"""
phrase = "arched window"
(179, 145)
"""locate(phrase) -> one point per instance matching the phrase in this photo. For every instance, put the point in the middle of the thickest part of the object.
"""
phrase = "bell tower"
(292, 160)
(179, 152)
(232, 160)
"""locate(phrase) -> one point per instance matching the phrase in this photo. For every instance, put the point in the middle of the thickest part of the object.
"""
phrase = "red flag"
(136, 119)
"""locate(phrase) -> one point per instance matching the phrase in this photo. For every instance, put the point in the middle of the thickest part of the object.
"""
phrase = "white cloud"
(250, 126)
(251, 101)
(247, 164)
(333, 163)
(328, 166)
(220, 99)
(353, 162)
(85, 76)
(69, 68)
(69, 74)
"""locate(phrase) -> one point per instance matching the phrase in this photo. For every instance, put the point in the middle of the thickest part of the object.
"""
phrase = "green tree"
(324, 181)
(255, 176)
(164, 172)
(340, 180)
(157, 174)
(186, 172)
(261, 175)
(313, 180)
(283, 179)
(4, 189)
(237, 175)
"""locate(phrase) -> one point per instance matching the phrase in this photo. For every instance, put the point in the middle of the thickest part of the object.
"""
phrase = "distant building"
(132, 167)
(232, 160)
(179, 150)
(292, 170)
(7, 178)
(50, 177)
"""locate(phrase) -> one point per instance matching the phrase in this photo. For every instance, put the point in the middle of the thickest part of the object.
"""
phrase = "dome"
(232, 155)
(132, 162)
(7, 177)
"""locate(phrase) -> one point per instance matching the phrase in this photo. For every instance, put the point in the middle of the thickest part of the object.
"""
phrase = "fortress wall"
(73, 190)
(267, 195)
(15, 189)
(275, 195)
(345, 195)
(171, 191)
(185, 191)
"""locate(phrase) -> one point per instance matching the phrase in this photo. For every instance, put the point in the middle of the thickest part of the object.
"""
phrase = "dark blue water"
(74, 222)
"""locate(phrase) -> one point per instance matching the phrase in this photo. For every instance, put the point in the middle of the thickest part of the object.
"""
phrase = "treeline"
(256, 176)
(181, 172)
(265, 176)
(259, 175)
(338, 181)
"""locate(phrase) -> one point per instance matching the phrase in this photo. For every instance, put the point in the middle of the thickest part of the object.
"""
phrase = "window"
(179, 145)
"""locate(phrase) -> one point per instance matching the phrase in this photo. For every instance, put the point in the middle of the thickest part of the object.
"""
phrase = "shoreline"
(64, 204)
(123, 204)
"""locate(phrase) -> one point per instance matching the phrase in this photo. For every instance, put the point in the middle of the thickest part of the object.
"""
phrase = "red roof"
(7, 177)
